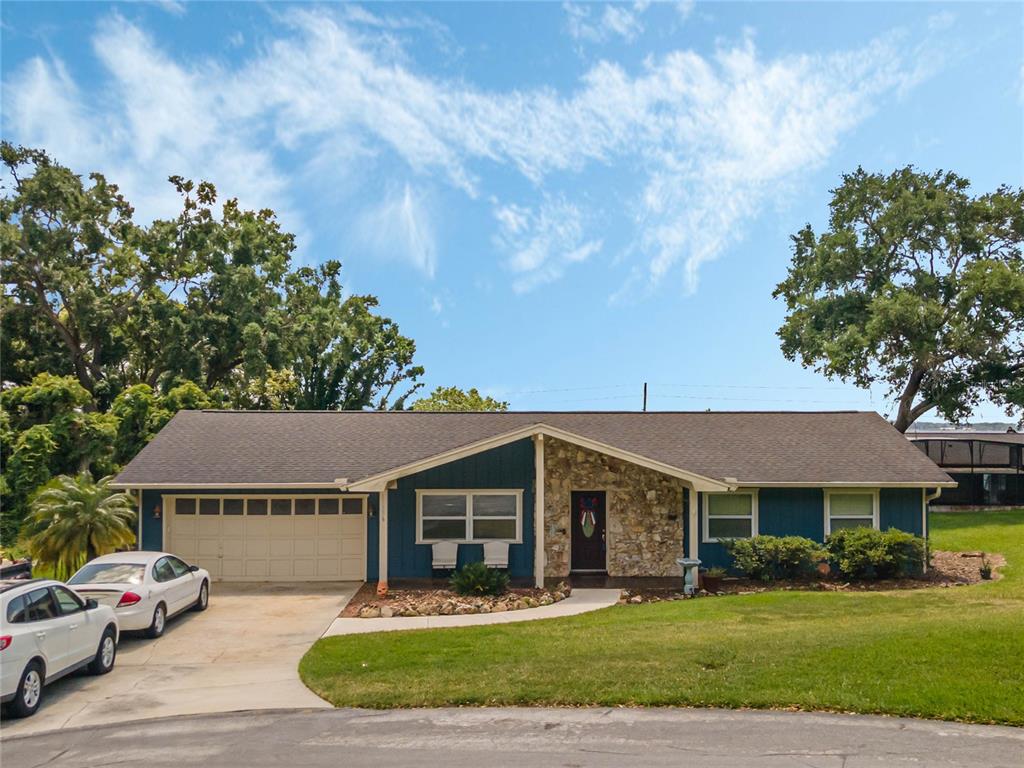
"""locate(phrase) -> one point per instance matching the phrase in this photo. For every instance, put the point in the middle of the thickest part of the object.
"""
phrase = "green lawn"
(942, 653)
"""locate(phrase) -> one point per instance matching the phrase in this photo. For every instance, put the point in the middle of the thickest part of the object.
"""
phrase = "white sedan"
(46, 632)
(143, 588)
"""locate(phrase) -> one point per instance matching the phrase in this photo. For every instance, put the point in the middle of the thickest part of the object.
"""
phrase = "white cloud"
(399, 227)
(173, 7)
(153, 119)
(541, 244)
(707, 139)
(617, 20)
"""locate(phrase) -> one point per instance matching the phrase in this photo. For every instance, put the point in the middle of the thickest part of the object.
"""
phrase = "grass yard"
(954, 653)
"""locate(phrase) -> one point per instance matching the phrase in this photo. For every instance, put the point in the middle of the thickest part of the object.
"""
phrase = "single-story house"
(988, 466)
(365, 495)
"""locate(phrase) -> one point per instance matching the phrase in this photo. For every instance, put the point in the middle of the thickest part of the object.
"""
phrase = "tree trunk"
(908, 413)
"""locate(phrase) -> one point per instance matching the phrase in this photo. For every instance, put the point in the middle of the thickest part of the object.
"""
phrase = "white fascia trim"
(699, 482)
(844, 484)
(217, 486)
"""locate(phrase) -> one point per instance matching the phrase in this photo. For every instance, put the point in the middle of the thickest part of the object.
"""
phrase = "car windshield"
(109, 573)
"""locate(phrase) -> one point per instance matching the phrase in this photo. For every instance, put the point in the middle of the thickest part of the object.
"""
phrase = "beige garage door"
(271, 538)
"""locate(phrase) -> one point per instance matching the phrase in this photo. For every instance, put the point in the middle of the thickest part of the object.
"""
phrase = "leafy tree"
(917, 284)
(49, 432)
(344, 355)
(208, 297)
(455, 399)
(74, 519)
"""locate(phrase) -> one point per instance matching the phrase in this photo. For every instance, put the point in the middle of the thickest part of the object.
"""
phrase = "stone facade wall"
(644, 511)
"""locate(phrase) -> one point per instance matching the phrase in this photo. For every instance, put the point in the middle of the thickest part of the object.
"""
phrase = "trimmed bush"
(478, 579)
(775, 557)
(866, 553)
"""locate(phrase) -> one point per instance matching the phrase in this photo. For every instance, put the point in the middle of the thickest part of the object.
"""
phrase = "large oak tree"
(208, 297)
(918, 284)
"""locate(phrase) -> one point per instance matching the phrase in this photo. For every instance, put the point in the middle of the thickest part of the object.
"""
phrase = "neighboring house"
(301, 495)
(987, 465)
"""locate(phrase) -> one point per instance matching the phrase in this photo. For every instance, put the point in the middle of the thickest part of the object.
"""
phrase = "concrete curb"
(580, 601)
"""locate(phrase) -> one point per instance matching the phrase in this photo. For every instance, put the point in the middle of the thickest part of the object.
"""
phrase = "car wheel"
(30, 691)
(204, 597)
(105, 654)
(156, 628)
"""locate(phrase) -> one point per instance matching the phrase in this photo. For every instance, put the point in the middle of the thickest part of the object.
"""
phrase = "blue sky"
(558, 202)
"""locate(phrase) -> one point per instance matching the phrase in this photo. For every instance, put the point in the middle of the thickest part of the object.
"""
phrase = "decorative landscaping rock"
(443, 602)
(948, 569)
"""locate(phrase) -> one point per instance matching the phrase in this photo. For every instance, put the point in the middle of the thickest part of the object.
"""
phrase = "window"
(351, 506)
(730, 515)
(109, 573)
(256, 507)
(209, 506)
(281, 506)
(850, 509)
(41, 605)
(185, 507)
(233, 506)
(17, 612)
(305, 506)
(179, 568)
(328, 506)
(469, 516)
(68, 601)
(162, 571)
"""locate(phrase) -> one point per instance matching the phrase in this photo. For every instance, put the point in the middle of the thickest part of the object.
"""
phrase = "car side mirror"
(90, 604)
(193, 568)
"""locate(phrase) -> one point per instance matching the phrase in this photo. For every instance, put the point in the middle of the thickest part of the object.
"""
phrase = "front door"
(588, 547)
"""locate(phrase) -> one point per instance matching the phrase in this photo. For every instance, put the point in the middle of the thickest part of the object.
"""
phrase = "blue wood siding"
(791, 512)
(508, 466)
(801, 512)
(901, 508)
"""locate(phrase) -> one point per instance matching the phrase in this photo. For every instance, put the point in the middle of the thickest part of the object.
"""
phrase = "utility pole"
(645, 397)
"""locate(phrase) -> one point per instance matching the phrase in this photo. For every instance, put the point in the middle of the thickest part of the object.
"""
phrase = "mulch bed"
(948, 569)
(444, 602)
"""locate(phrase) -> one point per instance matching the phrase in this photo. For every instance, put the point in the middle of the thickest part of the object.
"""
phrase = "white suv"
(46, 632)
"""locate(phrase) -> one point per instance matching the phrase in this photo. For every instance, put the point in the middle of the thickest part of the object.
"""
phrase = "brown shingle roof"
(207, 448)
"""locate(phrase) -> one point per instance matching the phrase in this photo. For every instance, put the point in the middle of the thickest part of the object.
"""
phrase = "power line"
(639, 386)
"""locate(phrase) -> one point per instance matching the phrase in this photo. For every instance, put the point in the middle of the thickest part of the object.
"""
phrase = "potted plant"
(711, 579)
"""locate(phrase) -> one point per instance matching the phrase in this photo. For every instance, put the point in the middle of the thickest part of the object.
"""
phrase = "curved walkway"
(580, 601)
(526, 738)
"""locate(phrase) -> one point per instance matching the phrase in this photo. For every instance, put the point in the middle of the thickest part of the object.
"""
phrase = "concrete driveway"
(241, 653)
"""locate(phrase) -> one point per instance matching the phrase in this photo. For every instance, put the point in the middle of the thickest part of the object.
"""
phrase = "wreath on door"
(588, 522)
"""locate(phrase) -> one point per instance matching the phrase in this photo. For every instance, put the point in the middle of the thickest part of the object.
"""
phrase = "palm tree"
(73, 519)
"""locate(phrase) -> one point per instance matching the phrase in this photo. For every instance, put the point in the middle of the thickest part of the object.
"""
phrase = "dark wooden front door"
(588, 531)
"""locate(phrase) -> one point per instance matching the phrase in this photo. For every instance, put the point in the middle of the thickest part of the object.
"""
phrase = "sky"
(558, 202)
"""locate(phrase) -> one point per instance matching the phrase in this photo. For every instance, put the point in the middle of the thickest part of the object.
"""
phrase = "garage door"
(272, 538)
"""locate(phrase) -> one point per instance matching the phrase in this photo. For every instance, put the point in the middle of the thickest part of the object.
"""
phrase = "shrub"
(985, 571)
(866, 553)
(478, 579)
(775, 557)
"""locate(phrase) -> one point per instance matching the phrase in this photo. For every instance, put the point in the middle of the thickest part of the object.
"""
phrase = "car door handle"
(40, 634)
(73, 626)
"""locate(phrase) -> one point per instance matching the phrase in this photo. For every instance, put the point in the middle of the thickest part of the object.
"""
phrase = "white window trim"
(469, 493)
(706, 537)
(875, 494)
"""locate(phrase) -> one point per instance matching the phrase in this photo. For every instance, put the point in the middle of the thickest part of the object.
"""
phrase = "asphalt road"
(525, 738)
